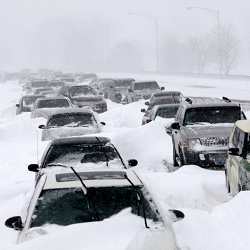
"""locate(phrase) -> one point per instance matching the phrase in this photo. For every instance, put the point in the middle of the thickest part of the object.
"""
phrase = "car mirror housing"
(162, 88)
(132, 162)
(143, 110)
(176, 215)
(33, 168)
(233, 151)
(17, 105)
(42, 127)
(103, 123)
(175, 125)
(14, 223)
(147, 103)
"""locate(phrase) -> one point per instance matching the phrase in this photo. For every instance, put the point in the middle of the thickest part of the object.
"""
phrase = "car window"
(53, 103)
(146, 85)
(29, 101)
(71, 205)
(168, 112)
(78, 91)
(80, 154)
(71, 120)
(212, 115)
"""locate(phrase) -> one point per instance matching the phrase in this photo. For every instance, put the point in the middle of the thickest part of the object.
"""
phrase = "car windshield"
(80, 154)
(167, 112)
(212, 115)
(53, 103)
(56, 84)
(29, 100)
(39, 84)
(78, 91)
(71, 205)
(123, 83)
(146, 85)
(71, 120)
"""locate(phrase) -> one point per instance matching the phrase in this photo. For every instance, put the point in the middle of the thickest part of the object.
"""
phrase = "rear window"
(168, 112)
(71, 120)
(30, 100)
(146, 85)
(212, 115)
(53, 103)
(78, 91)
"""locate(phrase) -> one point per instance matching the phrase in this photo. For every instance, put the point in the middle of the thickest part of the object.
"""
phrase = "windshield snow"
(71, 205)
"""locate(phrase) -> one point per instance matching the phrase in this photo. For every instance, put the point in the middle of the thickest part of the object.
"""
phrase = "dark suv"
(201, 131)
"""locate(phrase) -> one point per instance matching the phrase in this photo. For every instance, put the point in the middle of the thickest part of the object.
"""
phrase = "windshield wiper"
(141, 199)
(73, 170)
(106, 156)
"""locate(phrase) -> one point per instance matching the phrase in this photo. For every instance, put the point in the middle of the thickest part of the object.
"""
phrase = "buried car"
(88, 151)
(237, 168)
(64, 196)
(43, 107)
(201, 131)
(26, 103)
(70, 122)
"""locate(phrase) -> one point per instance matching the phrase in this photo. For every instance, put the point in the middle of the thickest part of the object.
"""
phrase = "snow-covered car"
(88, 151)
(237, 167)
(167, 111)
(150, 112)
(142, 90)
(43, 107)
(70, 122)
(65, 196)
(32, 85)
(26, 103)
(201, 131)
(46, 91)
(77, 91)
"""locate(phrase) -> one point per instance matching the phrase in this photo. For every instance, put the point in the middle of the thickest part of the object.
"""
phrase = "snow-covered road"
(213, 219)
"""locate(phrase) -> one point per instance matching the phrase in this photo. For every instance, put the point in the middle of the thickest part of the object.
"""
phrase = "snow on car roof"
(167, 93)
(58, 177)
(83, 110)
(82, 139)
(244, 125)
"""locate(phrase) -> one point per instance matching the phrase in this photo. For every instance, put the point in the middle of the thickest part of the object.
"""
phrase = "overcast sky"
(55, 33)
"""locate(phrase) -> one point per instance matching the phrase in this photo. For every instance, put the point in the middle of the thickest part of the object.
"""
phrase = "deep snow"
(213, 219)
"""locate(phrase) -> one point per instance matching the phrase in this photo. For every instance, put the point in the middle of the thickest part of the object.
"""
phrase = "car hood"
(120, 232)
(199, 131)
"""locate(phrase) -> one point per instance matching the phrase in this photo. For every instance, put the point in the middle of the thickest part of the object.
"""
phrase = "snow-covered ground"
(213, 219)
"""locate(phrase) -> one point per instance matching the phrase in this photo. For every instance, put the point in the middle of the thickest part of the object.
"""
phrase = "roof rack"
(188, 100)
(226, 99)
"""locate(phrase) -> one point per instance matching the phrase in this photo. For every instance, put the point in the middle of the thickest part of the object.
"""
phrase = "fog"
(113, 35)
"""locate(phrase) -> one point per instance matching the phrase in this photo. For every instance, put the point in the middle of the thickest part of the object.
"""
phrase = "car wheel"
(175, 163)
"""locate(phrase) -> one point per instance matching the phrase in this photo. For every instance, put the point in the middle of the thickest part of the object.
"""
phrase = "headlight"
(194, 143)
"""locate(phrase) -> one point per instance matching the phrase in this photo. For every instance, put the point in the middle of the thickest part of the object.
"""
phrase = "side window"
(238, 139)
(235, 137)
(178, 114)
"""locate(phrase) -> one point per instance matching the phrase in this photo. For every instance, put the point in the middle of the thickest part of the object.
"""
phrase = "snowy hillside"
(213, 219)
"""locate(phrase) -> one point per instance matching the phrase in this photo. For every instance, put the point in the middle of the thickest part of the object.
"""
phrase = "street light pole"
(156, 28)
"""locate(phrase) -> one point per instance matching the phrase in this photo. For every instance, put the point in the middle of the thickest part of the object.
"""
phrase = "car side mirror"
(176, 215)
(162, 88)
(130, 90)
(233, 151)
(33, 168)
(17, 105)
(103, 123)
(175, 125)
(42, 127)
(147, 103)
(132, 163)
(14, 223)
(143, 110)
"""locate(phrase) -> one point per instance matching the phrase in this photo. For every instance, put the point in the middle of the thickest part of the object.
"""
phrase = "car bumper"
(206, 159)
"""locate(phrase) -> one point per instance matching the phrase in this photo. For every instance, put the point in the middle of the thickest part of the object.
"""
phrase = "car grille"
(214, 141)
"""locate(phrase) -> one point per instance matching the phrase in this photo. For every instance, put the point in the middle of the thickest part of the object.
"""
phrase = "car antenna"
(74, 171)
(107, 159)
(143, 206)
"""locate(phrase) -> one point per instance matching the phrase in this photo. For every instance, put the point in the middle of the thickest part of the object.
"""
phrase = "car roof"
(81, 139)
(38, 96)
(167, 93)
(84, 110)
(58, 177)
(53, 98)
(243, 125)
(192, 102)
